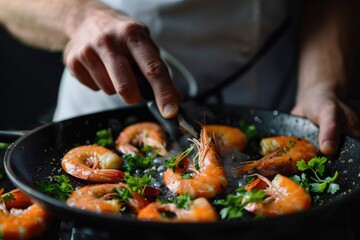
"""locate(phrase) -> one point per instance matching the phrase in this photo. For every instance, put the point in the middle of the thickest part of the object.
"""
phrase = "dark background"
(29, 80)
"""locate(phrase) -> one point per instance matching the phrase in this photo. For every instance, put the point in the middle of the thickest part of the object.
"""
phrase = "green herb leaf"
(173, 161)
(131, 163)
(4, 146)
(249, 129)
(183, 201)
(7, 198)
(333, 188)
(318, 187)
(137, 184)
(104, 138)
(186, 175)
(302, 180)
(234, 204)
(59, 187)
(316, 166)
(302, 165)
(252, 134)
(123, 193)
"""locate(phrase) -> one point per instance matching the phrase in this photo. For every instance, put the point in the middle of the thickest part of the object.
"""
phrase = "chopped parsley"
(233, 205)
(8, 197)
(132, 163)
(58, 186)
(316, 182)
(252, 135)
(138, 184)
(134, 184)
(104, 138)
(174, 160)
(183, 201)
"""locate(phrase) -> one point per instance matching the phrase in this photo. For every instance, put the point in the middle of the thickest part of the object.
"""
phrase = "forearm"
(46, 24)
(326, 40)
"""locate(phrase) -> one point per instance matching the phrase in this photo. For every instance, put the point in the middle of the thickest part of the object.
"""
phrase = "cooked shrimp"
(93, 163)
(281, 153)
(142, 134)
(96, 198)
(200, 211)
(101, 198)
(20, 218)
(209, 180)
(285, 197)
(230, 138)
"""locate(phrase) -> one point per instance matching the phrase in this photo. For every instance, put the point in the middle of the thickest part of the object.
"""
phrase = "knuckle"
(105, 40)
(86, 54)
(135, 33)
(72, 64)
(124, 89)
(155, 69)
(128, 96)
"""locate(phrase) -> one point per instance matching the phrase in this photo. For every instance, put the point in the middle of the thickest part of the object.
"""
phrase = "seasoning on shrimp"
(199, 210)
(103, 198)
(208, 179)
(281, 153)
(20, 218)
(285, 197)
(93, 163)
(140, 135)
(230, 138)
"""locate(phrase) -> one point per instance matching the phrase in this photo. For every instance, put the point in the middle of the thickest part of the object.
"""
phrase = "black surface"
(28, 160)
(29, 81)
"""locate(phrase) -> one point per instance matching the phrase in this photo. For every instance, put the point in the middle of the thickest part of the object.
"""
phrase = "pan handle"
(9, 136)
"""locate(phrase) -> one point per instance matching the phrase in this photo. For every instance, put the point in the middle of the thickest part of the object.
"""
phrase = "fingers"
(333, 118)
(104, 61)
(329, 129)
(154, 69)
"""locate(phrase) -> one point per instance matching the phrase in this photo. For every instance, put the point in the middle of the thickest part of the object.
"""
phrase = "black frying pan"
(37, 154)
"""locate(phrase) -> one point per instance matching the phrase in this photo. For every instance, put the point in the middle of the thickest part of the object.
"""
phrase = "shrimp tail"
(245, 167)
(20, 199)
(106, 175)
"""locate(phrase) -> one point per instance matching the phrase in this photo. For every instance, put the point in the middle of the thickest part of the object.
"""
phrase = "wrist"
(81, 11)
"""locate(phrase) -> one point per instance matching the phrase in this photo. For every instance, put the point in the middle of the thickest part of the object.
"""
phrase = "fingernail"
(170, 110)
(329, 147)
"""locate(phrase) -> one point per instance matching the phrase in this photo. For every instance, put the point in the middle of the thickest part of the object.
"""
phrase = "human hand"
(332, 116)
(102, 48)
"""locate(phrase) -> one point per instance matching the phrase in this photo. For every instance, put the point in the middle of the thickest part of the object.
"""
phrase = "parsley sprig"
(134, 184)
(138, 184)
(132, 163)
(183, 201)
(234, 204)
(8, 197)
(58, 186)
(316, 183)
(104, 138)
(174, 160)
(252, 134)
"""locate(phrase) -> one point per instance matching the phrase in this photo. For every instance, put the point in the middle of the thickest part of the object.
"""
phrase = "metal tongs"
(176, 127)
